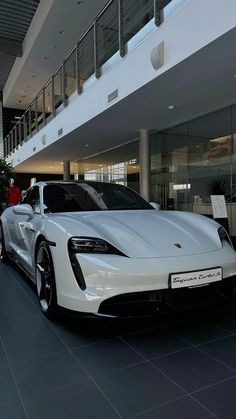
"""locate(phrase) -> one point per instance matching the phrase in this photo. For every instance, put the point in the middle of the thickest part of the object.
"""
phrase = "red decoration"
(13, 195)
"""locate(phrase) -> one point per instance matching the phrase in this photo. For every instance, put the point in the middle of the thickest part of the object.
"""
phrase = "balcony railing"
(110, 33)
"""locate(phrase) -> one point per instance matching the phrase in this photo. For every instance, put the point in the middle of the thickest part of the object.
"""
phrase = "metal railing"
(116, 24)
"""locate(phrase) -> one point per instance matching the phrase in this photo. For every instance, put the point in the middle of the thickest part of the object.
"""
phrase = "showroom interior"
(140, 93)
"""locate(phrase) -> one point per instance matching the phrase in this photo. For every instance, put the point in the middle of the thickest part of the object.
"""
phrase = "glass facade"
(119, 165)
(197, 159)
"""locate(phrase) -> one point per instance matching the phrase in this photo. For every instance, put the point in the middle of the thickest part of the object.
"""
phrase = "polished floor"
(181, 365)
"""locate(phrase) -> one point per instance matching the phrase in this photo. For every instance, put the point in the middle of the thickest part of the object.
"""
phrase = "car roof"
(65, 182)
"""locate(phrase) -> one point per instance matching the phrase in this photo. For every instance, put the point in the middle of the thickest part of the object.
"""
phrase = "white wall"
(193, 25)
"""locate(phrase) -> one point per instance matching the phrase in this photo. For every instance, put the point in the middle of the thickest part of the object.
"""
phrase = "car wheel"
(3, 253)
(45, 280)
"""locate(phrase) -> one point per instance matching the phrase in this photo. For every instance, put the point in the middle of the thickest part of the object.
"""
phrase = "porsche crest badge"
(178, 245)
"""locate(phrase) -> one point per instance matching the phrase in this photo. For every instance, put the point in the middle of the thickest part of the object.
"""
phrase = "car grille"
(149, 303)
(132, 304)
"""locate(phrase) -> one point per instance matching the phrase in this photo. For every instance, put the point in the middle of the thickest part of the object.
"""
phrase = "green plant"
(6, 173)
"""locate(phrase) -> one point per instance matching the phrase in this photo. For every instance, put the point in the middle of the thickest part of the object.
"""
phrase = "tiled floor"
(180, 365)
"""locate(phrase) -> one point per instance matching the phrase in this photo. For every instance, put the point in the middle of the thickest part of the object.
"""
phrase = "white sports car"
(99, 248)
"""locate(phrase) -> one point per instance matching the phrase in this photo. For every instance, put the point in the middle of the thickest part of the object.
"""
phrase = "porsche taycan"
(99, 248)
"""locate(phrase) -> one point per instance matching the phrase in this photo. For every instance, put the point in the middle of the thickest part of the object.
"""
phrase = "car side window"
(32, 198)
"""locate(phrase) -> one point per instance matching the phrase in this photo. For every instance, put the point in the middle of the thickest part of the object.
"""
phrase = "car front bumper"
(113, 279)
(149, 303)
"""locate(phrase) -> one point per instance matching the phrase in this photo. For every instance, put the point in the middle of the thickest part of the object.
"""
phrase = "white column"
(66, 170)
(144, 164)
(80, 170)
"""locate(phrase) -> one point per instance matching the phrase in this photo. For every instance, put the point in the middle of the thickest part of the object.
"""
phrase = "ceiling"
(15, 19)
(57, 26)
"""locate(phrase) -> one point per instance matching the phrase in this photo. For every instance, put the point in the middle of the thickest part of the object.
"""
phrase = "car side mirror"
(155, 205)
(23, 209)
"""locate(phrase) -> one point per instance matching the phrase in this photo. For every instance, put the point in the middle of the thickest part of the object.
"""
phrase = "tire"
(3, 253)
(45, 280)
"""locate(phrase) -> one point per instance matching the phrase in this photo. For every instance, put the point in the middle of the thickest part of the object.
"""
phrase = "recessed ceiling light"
(86, 145)
(61, 32)
(171, 107)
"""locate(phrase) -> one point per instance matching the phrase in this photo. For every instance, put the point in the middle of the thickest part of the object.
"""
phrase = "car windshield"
(70, 197)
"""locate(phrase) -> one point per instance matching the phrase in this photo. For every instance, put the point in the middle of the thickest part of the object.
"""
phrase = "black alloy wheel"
(45, 280)
(3, 253)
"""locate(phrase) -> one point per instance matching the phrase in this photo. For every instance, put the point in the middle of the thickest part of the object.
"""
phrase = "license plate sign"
(195, 278)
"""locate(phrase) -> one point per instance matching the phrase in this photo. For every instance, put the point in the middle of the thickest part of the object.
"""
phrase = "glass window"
(48, 99)
(40, 109)
(12, 140)
(209, 159)
(193, 161)
(17, 133)
(21, 130)
(136, 14)
(107, 33)
(57, 88)
(169, 175)
(86, 57)
(70, 74)
(91, 196)
(32, 198)
(118, 165)
(33, 117)
(28, 122)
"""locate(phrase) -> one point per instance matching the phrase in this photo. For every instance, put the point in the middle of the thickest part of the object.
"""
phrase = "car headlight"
(87, 245)
(91, 245)
(223, 235)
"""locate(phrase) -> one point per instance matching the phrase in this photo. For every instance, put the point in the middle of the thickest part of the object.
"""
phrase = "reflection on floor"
(177, 366)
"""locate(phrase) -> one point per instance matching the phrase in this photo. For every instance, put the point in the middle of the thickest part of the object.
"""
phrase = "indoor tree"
(6, 173)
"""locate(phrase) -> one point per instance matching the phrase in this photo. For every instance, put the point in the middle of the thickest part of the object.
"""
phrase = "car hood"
(147, 233)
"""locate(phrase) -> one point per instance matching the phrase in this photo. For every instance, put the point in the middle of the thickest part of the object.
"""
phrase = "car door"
(25, 229)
